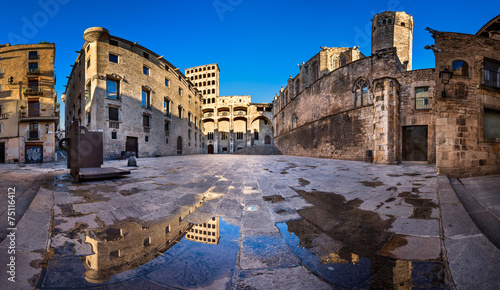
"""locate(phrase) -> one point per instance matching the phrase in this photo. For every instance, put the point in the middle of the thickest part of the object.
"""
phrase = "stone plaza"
(285, 222)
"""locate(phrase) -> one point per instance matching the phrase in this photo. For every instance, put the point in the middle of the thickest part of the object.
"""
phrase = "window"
(112, 87)
(113, 58)
(33, 109)
(180, 92)
(113, 42)
(256, 135)
(213, 91)
(113, 114)
(342, 60)
(145, 70)
(294, 121)
(167, 126)
(213, 74)
(88, 63)
(422, 98)
(180, 112)
(167, 229)
(33, 66)
(189, 118)
(33, 55)
(223, 135)
(33, 133)
(88, 117)
(460, 68)
(239, 135)
(146, 138)
(167, 82)
(491, 73)
(146, 99)
(210, 136)
(147, 242)
(114, 254)
(189, 134)
(33, 84)
(361, 96)
(167, 106)
(113, 134)
(491, 123)
(145, 120)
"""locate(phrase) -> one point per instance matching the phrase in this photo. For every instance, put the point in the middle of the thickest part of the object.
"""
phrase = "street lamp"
(445, 76)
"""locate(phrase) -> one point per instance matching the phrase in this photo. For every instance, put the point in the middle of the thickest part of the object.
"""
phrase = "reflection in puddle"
(161, 250)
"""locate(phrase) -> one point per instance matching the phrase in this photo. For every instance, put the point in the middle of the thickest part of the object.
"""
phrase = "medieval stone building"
(29, 112)
(377, 108)
(140, 101)
(230, 123)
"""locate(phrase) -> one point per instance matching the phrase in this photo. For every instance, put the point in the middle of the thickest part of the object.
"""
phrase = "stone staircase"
(259, 150)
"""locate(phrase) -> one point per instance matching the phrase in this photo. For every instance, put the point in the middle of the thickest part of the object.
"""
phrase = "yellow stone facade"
(29, 113)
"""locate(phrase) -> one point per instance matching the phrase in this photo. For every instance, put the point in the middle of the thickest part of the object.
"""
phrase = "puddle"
(273, 198)
(344, 245)
(304, 182)
(422, 207)
(170, 254)
(372, 183)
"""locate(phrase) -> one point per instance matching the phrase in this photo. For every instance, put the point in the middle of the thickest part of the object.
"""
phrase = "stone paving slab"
(284, 278)
(415, 227)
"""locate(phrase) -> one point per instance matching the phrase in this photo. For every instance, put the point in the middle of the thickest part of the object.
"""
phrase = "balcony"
(240, 113)
(4, 116)
(168, 114)
(33, 72)
(33, 92)
(490, 78)
(223, 114)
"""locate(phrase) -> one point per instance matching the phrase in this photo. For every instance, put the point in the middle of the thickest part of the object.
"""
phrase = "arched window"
(342, 60)
(294, 121)
(361, 92)
(460, 68)
(213, 82)
(213, 91)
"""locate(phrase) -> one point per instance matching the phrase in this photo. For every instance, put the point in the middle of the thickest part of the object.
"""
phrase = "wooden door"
(179, 145)
(132, 145)
(415, 143)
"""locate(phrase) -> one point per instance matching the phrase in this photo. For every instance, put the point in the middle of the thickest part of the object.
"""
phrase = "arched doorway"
(210, 149)
(179, 145)
(267, 139)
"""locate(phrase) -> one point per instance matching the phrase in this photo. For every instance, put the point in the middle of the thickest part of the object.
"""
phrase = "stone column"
(385, 121)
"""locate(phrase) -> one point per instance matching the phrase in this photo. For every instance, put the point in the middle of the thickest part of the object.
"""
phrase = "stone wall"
(462, 149)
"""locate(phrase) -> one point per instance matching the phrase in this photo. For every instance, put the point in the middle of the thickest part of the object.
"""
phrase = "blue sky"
(257, 44)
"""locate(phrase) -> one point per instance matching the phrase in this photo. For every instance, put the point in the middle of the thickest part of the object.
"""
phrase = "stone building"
(230, 123)
(29, 112)
(141, 102)
(205, 78)
(377, 108)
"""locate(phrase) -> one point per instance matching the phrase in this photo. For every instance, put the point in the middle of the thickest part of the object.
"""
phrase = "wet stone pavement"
(264, 222)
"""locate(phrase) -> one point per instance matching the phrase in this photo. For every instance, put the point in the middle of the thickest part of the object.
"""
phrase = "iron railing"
(490, 78)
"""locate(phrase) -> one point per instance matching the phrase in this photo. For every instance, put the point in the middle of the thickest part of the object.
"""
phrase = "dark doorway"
(179, 145)
(132, 146)
(2, 152)
(267, 139)
(210, 149)
(415, 143)
(34, 153)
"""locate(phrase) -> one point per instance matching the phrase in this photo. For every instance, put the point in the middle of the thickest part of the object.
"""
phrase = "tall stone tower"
(394, 29)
